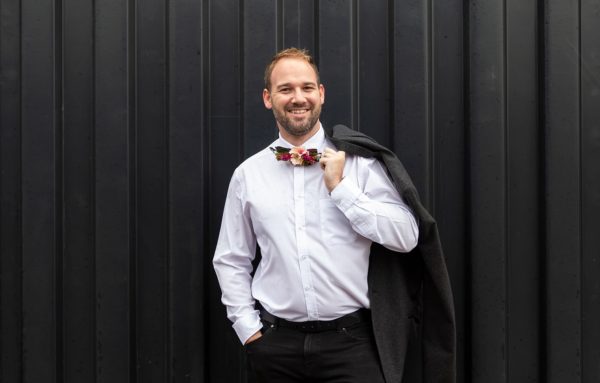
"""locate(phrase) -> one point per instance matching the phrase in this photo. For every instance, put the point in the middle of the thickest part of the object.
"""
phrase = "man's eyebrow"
(287, 84)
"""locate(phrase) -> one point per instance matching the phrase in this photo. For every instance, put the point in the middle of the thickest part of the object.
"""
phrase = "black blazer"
(411, 298)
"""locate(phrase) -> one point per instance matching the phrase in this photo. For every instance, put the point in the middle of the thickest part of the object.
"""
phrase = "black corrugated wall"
(122, 121)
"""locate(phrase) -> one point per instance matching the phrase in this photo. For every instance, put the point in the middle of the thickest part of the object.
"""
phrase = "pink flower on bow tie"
(298, 156)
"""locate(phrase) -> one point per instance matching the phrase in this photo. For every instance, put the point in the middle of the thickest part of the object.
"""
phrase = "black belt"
(348, 320)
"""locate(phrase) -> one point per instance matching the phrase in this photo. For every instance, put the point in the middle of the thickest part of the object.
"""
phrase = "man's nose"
(298, 96)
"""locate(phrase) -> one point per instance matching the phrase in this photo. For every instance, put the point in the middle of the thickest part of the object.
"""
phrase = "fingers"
(332, 163)
(329, 152)
(330, 155)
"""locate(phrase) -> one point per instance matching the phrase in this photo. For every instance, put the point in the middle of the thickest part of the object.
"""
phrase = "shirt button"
(306, 288)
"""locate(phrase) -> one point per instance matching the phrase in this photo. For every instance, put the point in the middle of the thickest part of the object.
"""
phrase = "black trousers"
(340, 355)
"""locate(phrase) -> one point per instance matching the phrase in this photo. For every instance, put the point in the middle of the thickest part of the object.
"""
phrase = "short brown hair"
(293, 53)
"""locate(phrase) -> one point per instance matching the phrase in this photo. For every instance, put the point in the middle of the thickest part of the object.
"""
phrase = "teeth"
(299, 111)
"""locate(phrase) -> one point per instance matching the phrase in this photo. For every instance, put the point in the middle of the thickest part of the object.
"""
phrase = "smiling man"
(296, 96)
(305, 313)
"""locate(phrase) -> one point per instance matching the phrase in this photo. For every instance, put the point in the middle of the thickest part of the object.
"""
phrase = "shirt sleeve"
(369, 200)
(232, 262)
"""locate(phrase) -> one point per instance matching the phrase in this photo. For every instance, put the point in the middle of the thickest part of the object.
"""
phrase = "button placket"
(302, 241)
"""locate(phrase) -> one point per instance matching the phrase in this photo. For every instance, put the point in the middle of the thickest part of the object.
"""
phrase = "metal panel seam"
(93, 212)
(58, 84)
(506, 188)
(167, 316)
(581, 196)
(354, 45)
(132, 213)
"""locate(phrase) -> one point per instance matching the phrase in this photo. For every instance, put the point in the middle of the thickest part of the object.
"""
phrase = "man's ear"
(267, 99)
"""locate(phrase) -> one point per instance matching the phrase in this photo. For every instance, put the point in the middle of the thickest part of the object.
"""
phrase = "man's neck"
(299, 140)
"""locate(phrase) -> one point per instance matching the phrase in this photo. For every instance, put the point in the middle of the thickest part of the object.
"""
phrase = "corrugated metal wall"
(122, 122)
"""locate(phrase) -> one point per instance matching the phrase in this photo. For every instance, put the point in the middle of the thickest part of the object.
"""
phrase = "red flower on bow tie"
(297, 156)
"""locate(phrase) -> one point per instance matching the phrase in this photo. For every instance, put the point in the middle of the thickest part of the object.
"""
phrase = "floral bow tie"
(297, 156)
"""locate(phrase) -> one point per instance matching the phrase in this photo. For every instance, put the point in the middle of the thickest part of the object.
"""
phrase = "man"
(305, 313)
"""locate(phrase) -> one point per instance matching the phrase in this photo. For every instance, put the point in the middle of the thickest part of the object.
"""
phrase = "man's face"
(295, 97)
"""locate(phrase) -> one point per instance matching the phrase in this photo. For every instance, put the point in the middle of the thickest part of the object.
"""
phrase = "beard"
(297, 128)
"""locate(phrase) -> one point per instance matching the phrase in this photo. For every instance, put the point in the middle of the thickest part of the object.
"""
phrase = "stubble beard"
(297, 129)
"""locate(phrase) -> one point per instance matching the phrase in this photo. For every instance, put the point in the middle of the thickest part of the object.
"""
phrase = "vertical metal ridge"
(355, 65)
(20, 194)
(391, 74)
(206, 163)
(167, 315)
(467, 187)
(506, 190)
(207, 101)
(581, 197)
(92, 191)
(543, 200)
(279, 21)
(20, 207)
(431, 158)
(242, 57)
(316, 13)
(58, 83)
(298, 11)
(132, 213)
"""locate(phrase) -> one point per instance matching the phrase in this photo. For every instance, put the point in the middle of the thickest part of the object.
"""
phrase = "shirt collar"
(316, 141)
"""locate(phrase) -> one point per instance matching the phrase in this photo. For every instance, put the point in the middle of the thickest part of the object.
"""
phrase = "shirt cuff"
(247, 326)
(345, 194)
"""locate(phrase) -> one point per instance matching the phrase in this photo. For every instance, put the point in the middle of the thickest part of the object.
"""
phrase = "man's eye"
(284, 90)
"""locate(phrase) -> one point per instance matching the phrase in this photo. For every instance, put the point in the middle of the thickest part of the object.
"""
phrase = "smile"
(298, 111)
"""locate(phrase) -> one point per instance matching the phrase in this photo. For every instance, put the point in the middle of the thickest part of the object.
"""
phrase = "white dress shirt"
(315, 245)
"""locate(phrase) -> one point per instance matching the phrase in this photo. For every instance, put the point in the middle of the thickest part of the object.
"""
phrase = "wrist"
(333, 184)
